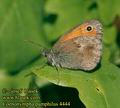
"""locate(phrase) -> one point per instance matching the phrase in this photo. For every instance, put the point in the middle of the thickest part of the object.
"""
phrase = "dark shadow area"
(50, 18)
(118, 39)
(93, 6)
(58, 94)
(54, 41)
(117, 25)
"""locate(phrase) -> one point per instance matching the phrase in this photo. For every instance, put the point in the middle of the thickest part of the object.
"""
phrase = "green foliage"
(19, 21)
(43, 21)
(108, 10)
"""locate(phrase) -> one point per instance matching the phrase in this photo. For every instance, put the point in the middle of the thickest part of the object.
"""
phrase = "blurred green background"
(43, 21)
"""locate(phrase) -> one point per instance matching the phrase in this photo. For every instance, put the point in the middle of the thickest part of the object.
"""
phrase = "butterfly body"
(79, 48)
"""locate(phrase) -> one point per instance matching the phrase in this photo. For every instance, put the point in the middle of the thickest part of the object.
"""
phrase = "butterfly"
(79, 48)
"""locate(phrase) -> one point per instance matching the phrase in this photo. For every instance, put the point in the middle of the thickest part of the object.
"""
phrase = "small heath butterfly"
(79, 48)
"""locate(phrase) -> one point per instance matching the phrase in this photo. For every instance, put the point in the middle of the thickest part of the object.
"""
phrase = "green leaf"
(96, 87)
(20, 20)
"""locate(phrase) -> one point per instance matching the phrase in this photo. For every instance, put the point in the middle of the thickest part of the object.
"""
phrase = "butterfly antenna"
(34, 43)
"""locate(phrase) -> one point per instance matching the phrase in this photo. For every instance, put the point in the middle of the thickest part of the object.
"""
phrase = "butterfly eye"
(89, 28)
